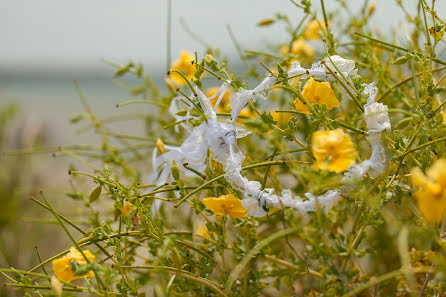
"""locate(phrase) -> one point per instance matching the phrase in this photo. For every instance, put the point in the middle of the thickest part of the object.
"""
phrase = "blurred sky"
(56, 36)
(45, 44)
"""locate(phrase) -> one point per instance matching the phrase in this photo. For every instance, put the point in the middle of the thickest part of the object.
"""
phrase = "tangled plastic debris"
(221, 139)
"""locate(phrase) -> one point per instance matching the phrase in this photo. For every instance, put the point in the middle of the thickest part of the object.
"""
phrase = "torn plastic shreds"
(220, 137)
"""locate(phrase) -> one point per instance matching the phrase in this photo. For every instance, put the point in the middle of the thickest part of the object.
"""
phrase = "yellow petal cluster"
(312, 29)
(317, 92)
(183, 64)
(226, 205)
(62, 266)
(333, 150)
(431, 191)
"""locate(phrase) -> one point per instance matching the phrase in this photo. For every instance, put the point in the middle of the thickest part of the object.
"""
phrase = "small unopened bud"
(208, 58)
(56, 286)
(372, 7)
(401, 60)
(266, 22)
(175, 170)
(160, 146)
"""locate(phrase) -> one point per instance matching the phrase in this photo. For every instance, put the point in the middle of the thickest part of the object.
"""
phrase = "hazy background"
(46, 44)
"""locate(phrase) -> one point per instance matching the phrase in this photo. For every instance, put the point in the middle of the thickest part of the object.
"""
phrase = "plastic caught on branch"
(221, 139)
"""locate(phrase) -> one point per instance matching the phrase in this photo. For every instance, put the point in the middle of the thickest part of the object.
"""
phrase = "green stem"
(383, 278)
(254, 251)
(185, 274)
(185, 79)
(397, 47)
(140, 101)
(421, 146)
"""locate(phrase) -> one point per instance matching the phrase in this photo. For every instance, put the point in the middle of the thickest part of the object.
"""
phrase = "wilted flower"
(183, 64)
(333, 150)
(431, 191)
(317, 92)
(62, 266)
(226, 205)
(127, 208)
(56, 286)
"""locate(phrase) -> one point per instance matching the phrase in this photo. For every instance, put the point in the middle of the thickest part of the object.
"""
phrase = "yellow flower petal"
(301, 48)
(333, 150)
(183, 64)
(312, 29)
(62, 266)
(317, 92)
(226, 204)
(431, 191)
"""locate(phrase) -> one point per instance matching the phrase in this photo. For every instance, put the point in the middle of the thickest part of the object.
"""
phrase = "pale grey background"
(64, 36)
(46, 44)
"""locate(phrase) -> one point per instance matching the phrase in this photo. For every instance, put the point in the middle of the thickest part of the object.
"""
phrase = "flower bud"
(208, 58)
(372, 8)
(175, 170)
(160, 146)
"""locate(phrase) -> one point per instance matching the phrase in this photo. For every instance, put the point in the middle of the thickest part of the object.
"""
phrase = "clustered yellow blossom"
(317, 92)
(431, 191)
(333, 150)
(226, 205)
(62, 266)
(183, 64)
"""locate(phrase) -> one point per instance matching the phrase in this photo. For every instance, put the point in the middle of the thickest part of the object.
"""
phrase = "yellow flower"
(202, 231)
(183, 64)
(299, 48)
(312, 28)
(226, 204)
(281, 117)
(317, 92)
(431, 191)
(62, 266)
(333, 150)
